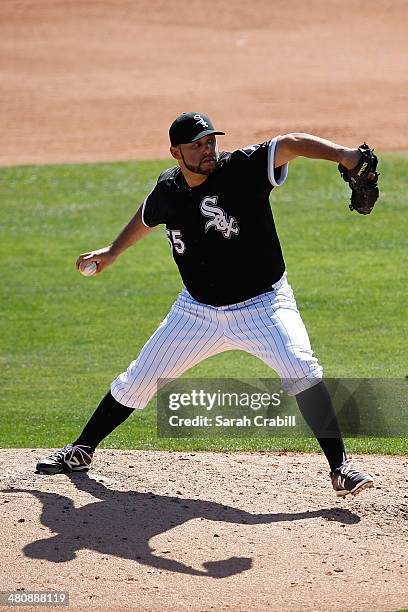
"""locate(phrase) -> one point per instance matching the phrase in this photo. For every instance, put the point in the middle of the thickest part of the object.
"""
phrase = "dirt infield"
(86, 80)
(205, 531)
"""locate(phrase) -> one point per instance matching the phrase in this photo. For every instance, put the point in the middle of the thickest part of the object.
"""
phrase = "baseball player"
(221, 230)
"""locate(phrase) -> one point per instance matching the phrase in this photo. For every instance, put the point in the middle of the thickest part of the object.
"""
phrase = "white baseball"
(87, 269)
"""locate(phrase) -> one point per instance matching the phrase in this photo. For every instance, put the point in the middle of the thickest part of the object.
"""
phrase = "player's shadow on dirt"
(123, 522)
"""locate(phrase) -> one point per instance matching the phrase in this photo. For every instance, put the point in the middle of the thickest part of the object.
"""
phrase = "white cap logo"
(200, 121)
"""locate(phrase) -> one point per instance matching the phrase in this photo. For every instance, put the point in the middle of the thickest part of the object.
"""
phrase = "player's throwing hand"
(102, 257)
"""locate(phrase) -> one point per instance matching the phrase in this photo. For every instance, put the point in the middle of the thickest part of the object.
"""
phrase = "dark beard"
(197, 169)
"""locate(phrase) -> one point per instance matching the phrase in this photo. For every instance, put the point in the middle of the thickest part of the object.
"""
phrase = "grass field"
(65, 337)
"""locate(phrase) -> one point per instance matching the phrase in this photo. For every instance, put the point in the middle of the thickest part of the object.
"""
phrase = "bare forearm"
(134, 231)
(306, 145)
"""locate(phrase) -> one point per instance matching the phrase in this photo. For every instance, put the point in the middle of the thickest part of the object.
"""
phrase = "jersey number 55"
(175, 241)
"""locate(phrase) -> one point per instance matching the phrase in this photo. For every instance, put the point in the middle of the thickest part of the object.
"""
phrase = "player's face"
(200, 156)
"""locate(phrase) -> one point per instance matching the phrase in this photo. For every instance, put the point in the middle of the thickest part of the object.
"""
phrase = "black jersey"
(222, 233)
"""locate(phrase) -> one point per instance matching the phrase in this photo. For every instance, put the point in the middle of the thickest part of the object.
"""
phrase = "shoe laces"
(346, 469)
(61, 453)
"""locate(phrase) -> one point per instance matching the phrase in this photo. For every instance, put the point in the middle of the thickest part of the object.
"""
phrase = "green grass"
(65, 337)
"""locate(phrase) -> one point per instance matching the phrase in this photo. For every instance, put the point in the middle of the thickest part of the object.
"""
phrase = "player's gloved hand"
(102, 257)
(363, 181)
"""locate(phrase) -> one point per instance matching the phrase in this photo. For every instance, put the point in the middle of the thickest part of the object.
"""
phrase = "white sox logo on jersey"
(219, 219)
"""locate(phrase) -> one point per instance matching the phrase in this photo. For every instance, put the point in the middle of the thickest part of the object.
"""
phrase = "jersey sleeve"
(259, 161)
(154, 208)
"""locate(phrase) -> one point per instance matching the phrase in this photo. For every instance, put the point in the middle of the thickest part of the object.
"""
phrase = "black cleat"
(71, 458)
(348, 481)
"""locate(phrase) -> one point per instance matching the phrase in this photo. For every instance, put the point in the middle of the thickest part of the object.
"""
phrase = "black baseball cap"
(189, 127)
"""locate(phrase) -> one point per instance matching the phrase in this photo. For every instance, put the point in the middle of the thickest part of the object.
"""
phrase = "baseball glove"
(363, 181)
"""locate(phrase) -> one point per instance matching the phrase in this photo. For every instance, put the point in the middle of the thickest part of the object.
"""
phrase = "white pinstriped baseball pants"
(268, 326)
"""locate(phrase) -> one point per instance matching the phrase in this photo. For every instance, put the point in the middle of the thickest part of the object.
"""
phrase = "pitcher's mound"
(201, 531)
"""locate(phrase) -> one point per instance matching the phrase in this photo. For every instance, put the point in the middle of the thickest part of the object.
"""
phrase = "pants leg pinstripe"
(268, 326)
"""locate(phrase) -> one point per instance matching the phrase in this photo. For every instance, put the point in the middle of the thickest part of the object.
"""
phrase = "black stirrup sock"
(317, 409)
(108, 415)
